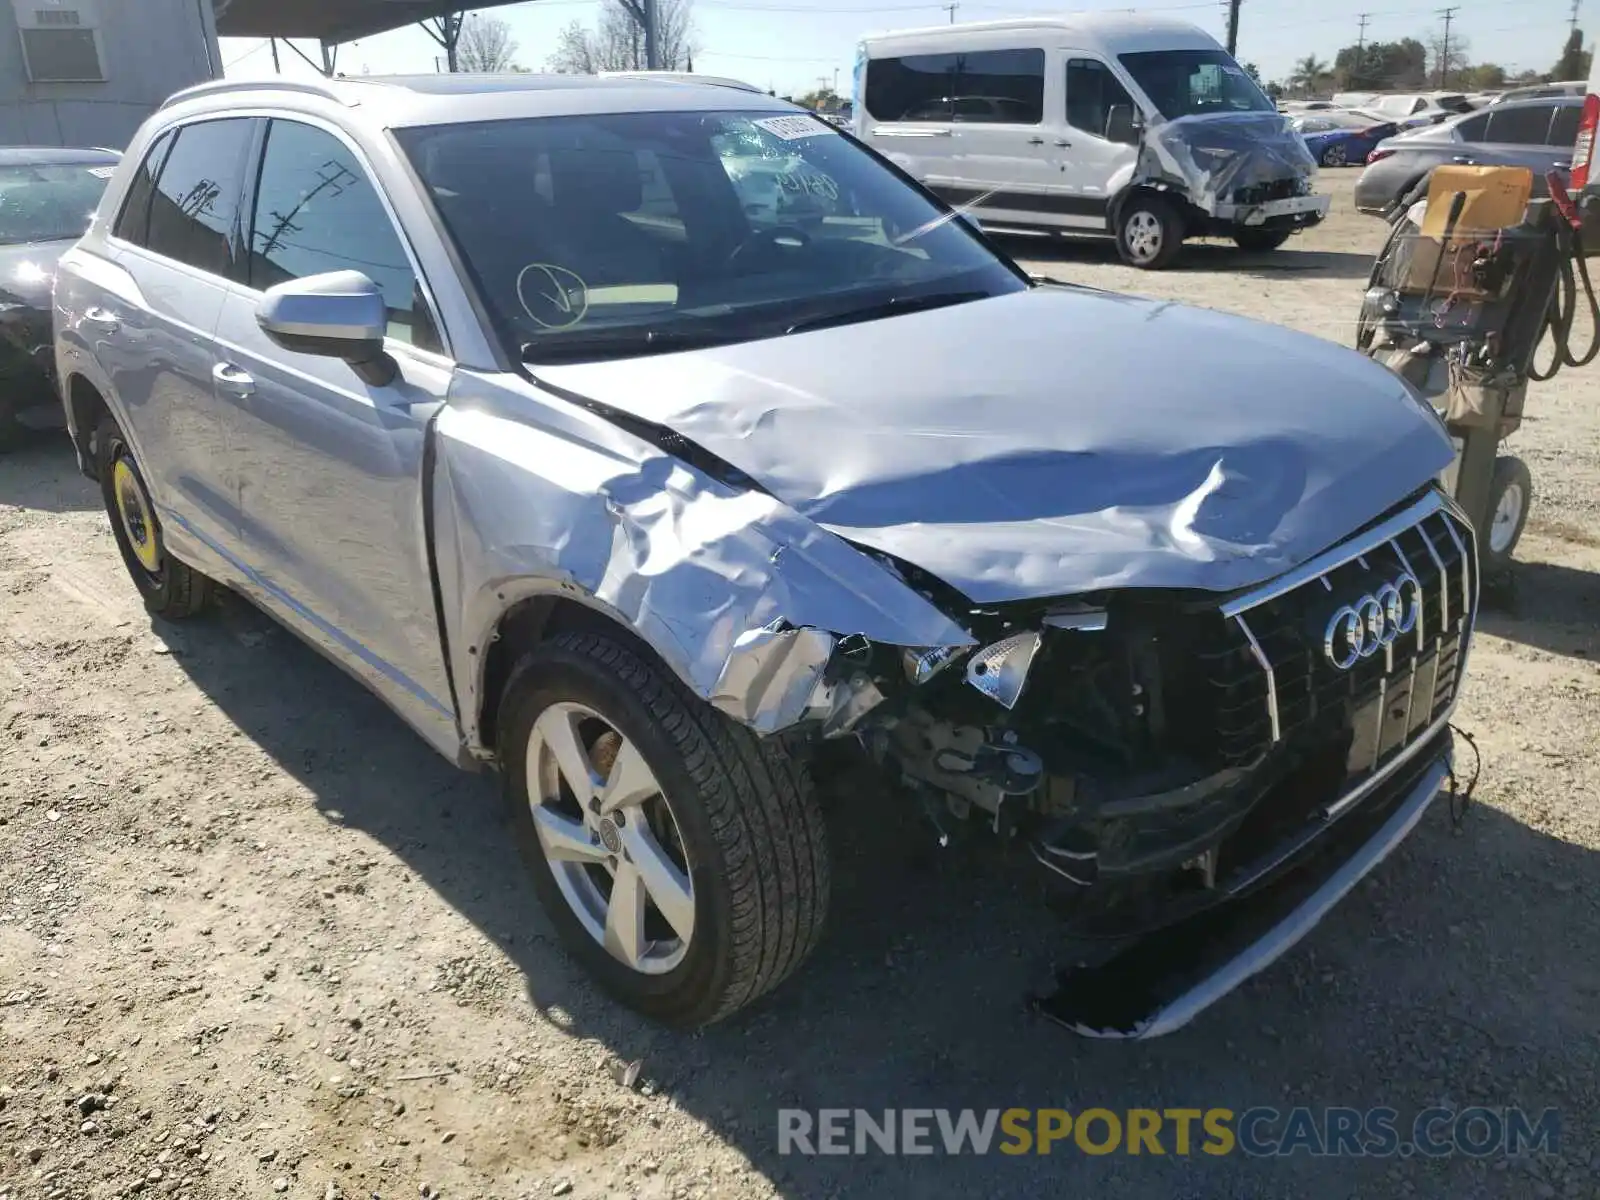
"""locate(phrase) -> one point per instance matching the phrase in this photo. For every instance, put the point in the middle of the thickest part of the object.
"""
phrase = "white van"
(1096, 123)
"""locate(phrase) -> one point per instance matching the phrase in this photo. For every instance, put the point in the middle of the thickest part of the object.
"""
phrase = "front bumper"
(1166, 980)
(1294, 212)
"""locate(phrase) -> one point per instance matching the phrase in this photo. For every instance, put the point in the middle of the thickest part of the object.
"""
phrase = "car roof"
(399, 101)
(44, 156)
(1112, 32)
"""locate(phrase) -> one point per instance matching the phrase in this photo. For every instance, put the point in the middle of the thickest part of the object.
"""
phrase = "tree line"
(1411, 64)
(615, 42)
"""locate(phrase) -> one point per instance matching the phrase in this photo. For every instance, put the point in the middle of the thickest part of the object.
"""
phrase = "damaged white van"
(1090, 123)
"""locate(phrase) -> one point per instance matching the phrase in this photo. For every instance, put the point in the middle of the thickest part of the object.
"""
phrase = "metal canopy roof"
(332, 20)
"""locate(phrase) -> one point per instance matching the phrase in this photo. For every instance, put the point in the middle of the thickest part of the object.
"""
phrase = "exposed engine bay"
(1162, 752)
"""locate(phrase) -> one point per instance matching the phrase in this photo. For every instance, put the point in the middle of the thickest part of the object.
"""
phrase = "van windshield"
(1186, 83)
(616, 234)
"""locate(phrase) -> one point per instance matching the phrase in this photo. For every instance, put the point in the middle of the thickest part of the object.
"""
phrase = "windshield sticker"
(1232, 70)
(102, 172)
(792, 129)
(552, 296)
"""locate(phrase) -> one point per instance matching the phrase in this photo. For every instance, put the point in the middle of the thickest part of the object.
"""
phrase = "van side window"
(1092, 93)
(1000, 87)
(133, 223)
(196, 199)
(916, 87)
(983, 87)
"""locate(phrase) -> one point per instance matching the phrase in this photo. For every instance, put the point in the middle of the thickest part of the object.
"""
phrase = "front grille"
(1269, 676)
(1277, 189)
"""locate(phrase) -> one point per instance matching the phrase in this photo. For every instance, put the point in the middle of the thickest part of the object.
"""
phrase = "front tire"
(169, 588)
(682, 859)
(1260, 241)
(1510, 498)
(1336, 155)
(1149, 231)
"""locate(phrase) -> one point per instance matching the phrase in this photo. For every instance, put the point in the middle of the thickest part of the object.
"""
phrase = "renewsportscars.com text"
(1258, 1132)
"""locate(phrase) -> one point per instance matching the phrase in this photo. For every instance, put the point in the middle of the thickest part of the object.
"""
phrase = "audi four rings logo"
(1361, 629)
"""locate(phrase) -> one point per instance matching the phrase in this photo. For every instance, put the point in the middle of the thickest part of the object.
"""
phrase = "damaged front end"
(1236, 170)
(1164, 754)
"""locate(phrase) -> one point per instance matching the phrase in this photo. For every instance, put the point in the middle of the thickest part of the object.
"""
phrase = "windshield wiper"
(892, 307)
(625, 342)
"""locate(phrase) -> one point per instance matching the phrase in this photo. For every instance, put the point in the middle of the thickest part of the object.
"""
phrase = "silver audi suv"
(644, 440)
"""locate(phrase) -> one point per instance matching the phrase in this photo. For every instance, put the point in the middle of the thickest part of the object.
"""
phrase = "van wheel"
(1506, 514)
(682, 859)
(1149, 231)
(1260, 241)
(170, 589)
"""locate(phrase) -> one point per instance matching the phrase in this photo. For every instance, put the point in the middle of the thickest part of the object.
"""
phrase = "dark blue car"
(1341, 139)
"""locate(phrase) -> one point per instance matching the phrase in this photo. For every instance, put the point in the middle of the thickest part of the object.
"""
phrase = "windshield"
(1186, 83)
(50, 201)
(635, 232)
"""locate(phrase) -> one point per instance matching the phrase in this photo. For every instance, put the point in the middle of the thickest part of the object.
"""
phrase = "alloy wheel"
(610, 838)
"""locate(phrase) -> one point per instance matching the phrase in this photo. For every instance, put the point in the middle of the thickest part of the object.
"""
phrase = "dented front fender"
(742, 598)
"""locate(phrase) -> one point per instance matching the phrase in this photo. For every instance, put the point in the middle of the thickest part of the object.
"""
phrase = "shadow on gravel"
(41, 473)
(1545, 605)
(1208, 257)
(1460, 974)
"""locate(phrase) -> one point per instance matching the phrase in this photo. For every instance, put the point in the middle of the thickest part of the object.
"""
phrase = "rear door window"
(1474, 129)
(1564, 125)
(194, 208)
(1520, 125)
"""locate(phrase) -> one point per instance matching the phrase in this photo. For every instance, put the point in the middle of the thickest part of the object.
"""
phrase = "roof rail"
(222, 86)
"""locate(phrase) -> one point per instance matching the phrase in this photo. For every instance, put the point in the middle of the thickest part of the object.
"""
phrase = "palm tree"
(1308, 73)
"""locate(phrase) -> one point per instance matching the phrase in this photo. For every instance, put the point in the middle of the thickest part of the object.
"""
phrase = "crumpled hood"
(1227, 158)
(1052, 441)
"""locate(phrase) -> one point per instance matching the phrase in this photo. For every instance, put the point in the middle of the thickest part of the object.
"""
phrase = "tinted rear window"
(195, 206)
(990, 87)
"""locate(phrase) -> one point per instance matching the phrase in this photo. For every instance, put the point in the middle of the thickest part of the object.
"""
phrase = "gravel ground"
(255, 939)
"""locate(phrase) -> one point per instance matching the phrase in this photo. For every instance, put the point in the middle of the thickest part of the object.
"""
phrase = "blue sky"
(791, 44)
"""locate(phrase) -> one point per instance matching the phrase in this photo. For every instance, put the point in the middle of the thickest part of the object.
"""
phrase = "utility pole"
(951, 9)
(1233, 26)
(1359, 75)
(1572, 21)
(1361, 37)
(1449, 15)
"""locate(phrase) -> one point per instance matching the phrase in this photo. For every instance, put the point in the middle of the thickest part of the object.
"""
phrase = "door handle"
(102, 317)
(233, 379)
(1063, 143)
(1036, 141)
(1465, 159)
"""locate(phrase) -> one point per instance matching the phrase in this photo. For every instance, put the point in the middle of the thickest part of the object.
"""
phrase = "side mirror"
(1122, 124)
(338, 315)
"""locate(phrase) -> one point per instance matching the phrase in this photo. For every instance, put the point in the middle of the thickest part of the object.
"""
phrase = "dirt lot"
(256, 940)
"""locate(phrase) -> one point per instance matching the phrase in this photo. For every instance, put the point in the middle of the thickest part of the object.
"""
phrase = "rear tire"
(1149, 231)
(1260, 241)
(169, 588)
(1336, 156)
(743, 902)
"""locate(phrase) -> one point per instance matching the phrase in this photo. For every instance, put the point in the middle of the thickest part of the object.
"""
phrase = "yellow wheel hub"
(138, 522)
